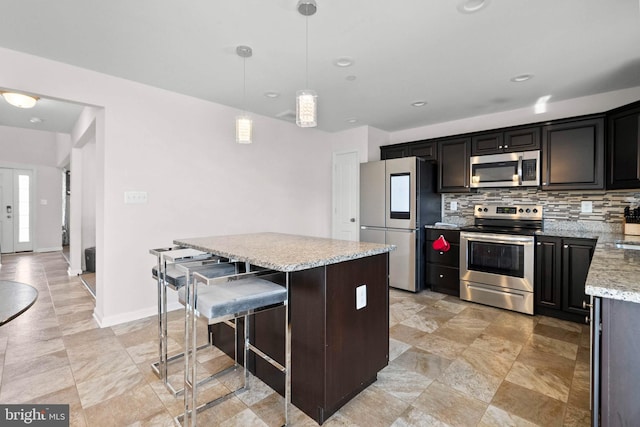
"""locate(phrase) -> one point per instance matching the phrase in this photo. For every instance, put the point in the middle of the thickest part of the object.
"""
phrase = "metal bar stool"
(222, 299)
(169, 276)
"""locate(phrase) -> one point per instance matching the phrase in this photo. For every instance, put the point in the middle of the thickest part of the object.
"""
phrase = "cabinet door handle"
(566, 246)
(587, 320)
(441, 276)
(538, 244)
(506, 146)
(585, 305)
(499, 146)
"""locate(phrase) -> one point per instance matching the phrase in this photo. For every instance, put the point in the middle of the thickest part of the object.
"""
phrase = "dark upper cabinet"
(561, 270)
(623, 154)
(453, 165)
(423, 149)
(393, 151)
(573, 155)
(516, 139)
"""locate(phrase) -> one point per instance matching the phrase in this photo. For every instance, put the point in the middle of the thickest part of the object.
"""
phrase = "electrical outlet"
(135, 197)
(361, 297)
(587, 207)
(454, 205)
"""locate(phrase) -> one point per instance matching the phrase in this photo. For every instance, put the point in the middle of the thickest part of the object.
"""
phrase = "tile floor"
(452, 363)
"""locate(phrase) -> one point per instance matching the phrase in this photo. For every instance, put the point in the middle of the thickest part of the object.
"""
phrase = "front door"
(16, 188)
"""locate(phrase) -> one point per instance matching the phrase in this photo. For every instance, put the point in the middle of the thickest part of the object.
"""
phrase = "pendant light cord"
(307, 51)
(244, 84)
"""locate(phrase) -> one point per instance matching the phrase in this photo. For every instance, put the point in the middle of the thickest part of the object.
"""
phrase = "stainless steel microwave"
(521, 169)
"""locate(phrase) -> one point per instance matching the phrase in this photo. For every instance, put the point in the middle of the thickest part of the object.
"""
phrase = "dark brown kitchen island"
(339, 341)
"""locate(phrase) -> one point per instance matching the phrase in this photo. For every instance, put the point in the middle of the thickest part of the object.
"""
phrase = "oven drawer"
(452, 236)
(497, 296)
(450, 258)
(443, 279)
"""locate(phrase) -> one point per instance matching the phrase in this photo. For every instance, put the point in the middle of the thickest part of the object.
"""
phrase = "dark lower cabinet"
(623, 154)
(443, 268)
(573, 155)
(453, 165)
(561, 268)
(336, 348)
(615, 368)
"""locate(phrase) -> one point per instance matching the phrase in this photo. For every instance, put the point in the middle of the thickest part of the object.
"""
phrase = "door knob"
(352, 220)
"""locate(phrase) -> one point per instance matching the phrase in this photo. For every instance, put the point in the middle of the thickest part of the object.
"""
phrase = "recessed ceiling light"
(419, 104)
(472, 6)
(36, 120)
(351, 120)
(522, 78)
(351, 78)
(343, 61)
(272, 94)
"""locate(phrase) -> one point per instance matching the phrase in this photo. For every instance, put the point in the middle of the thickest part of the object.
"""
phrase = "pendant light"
(244, 124)
(307, 99)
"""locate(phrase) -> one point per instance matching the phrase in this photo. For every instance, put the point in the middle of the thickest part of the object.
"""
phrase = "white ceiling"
(403, 51)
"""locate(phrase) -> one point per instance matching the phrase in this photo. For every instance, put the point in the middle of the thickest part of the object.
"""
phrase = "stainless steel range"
(497, 256)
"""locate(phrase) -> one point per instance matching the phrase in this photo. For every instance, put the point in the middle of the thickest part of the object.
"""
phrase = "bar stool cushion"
(178, 278)
(236, 296)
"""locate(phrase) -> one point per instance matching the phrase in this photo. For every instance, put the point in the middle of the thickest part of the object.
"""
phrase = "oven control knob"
(535, 210)
(479, 209)
(486, 210)
(520, 210)
(528, 210)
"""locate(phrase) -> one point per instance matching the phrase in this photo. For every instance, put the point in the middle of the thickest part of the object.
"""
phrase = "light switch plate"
(135, 197)
(361, 297)
(587, 207)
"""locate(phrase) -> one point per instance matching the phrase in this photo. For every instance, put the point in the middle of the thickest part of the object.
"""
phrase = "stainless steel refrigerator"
(397, 199)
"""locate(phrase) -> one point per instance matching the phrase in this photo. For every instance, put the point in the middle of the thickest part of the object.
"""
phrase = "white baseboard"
(56, 249)
(72, 272)
(117, 319)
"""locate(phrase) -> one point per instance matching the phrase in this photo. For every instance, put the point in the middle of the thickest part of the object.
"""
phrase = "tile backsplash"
(561, 208)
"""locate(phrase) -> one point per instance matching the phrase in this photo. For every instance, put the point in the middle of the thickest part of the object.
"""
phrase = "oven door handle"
(496, 238)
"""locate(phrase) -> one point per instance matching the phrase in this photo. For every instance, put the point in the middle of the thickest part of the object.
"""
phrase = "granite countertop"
(614, 273)
(284, 252)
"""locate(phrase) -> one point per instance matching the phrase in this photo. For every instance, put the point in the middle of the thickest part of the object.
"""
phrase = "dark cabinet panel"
(573, 155)
(548, 277)
(562, 265)
(623, 157)
(516, 139)
(619, 370)
(424, 150)
(453, 165)
(522, 139)
(393, 152)
(490, 143)
(443, 272)
(576, 258)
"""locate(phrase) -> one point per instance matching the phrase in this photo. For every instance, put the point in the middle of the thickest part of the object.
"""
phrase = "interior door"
(346, 169)
(6, 210)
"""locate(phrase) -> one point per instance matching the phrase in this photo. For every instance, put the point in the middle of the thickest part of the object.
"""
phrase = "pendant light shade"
(20, 100)
(306, 108)
(244, 129)
(307, 99)
(244, 124)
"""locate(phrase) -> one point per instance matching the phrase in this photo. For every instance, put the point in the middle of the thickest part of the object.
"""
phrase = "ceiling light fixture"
(272, 94)
(244, 125)
(307, 99)
(351, 120)
(35, 120)
(20, 100)
(419, 104)
(522, 78)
